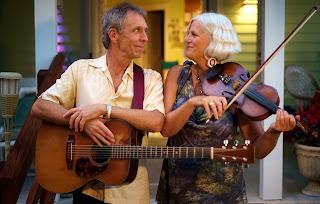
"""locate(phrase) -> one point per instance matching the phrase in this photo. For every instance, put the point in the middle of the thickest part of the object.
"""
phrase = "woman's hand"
(213, 105)
(80, 115)
(284, 121)
(98, 132)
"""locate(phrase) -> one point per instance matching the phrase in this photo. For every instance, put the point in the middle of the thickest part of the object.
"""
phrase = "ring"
(211, 103)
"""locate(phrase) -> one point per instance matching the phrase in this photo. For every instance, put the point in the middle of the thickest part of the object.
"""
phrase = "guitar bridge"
(70, 151)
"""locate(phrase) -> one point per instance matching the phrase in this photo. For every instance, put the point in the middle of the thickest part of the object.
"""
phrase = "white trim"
(273, 29)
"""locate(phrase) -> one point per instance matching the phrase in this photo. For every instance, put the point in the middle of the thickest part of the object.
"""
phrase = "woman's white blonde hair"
(224, 41)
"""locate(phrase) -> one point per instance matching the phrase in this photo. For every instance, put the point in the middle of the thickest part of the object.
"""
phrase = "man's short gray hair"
(115, 17)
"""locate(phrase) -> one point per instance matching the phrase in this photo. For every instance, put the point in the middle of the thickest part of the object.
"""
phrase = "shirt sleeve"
(63, 91)
(153, 99)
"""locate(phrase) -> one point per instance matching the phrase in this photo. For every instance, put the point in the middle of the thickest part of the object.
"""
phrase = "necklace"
(200, 82)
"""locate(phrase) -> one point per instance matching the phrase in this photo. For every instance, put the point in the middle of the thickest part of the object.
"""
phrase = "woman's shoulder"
(177, 70)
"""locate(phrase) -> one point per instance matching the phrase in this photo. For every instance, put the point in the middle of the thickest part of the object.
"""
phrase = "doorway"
(154, 51)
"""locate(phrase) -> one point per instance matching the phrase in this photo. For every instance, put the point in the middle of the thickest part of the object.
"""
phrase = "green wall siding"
(304, 49)
(17, 52)
(245, 23)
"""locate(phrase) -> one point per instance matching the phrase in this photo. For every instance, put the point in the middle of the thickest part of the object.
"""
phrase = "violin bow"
(238, 93)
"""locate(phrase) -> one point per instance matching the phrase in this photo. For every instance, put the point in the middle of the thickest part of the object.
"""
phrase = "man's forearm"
(140, 119)
(49, 111)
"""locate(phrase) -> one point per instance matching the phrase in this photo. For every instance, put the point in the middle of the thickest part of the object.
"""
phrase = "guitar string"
(183, 152)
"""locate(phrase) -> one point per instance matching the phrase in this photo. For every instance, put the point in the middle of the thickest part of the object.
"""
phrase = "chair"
(300, 85)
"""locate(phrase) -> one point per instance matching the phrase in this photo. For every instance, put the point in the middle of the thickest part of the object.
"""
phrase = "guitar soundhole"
(86, 168)
(100, 154)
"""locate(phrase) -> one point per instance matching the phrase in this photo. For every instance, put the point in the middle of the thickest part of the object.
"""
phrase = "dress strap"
(184, 75)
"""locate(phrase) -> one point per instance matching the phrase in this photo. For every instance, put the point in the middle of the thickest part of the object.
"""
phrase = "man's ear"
(113, 34)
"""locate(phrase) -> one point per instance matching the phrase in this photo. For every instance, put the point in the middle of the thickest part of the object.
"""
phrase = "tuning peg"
(247, 142)
(236, 143)
(225, 142)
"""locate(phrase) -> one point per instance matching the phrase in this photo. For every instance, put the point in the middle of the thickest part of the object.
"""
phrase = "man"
(104, 87)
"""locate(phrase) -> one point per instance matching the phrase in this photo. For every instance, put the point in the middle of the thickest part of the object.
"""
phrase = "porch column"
(273, 29)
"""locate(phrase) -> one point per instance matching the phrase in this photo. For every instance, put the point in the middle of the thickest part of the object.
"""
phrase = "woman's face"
(196, 41)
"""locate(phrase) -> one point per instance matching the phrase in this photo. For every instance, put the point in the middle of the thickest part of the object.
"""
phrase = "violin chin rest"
(212, 73)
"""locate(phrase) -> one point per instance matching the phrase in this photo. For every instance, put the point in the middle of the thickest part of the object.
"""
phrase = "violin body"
(258, 101)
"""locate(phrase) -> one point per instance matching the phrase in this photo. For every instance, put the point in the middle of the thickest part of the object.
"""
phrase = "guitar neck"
(235, 154)
(158, 152)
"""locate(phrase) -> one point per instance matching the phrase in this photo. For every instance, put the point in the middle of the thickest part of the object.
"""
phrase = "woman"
(210, 40)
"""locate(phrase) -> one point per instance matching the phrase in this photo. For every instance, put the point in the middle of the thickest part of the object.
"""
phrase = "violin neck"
(261, 99)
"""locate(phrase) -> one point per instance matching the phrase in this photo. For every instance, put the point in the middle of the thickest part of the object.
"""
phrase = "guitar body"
(65, 160)
(57, 172)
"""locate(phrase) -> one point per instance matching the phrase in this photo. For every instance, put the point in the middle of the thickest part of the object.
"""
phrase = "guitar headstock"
(235, 153)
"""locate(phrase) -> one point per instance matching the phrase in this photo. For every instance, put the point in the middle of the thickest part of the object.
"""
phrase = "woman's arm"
(265, 141)
(175, 120)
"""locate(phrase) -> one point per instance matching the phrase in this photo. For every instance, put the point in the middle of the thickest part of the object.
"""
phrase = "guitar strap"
(138, 92)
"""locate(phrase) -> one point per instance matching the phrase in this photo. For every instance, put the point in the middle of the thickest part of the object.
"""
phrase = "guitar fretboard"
(140, 152)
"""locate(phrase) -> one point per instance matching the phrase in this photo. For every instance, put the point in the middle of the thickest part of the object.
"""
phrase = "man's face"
(133, 36)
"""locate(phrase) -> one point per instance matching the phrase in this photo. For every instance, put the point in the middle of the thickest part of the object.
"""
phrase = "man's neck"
(117, 64)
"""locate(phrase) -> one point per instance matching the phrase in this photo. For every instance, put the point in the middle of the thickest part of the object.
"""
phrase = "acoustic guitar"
(66, 160)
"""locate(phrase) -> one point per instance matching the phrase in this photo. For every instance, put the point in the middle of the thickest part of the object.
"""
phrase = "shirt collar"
(101, 63)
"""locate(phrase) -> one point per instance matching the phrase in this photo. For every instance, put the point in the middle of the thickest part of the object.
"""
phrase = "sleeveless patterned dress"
(200, 180)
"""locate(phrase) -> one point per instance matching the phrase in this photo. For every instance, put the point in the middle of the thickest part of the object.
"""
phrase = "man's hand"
(80, 115)
(98, 132)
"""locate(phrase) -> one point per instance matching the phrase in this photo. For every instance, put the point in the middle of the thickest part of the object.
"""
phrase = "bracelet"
(109, 109)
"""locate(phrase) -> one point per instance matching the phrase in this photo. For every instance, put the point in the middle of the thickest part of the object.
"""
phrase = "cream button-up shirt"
(88, 81)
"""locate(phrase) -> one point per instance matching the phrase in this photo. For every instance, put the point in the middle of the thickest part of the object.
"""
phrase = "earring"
(211, 62)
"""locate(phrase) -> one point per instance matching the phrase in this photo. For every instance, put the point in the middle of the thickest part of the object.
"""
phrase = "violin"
(257, 102)
(231, 80)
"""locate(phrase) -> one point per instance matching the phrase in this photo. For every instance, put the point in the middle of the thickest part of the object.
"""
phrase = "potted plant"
(307, 148)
